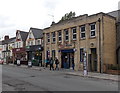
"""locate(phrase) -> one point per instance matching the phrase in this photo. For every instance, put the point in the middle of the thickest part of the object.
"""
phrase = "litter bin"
(29, 64)
(18, 62)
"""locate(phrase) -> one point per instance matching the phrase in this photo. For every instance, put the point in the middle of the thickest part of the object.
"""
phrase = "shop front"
(67, 58)
(34, 54)
(19, 54)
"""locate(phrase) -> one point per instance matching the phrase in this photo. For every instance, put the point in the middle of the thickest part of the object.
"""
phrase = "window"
(74, 33)
(48, 37)
(30, 35)
(81, 54)
(53, 37)
(31, 43)
(28, 43)
(53, 54)
(13, 46)
(82, 32)
(66, 35)
(59, 36)
(19, 44)
(38, 42)
(92, 30)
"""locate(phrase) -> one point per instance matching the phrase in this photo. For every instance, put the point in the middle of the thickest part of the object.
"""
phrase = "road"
(24, 79)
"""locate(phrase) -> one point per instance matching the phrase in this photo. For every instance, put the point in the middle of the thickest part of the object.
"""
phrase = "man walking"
(51, 63)
(56, 62)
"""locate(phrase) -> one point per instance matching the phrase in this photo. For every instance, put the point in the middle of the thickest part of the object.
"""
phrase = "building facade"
(96, 34)
(34, 46)
(19, 52)
(117, 15)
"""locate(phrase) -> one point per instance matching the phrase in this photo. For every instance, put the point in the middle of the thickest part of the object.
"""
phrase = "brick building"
(95, 33)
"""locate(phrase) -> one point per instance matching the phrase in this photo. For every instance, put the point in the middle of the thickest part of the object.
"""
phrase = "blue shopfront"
(67, 58)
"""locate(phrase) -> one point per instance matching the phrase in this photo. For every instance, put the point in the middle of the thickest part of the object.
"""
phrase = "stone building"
(117, 15)
(68, 39)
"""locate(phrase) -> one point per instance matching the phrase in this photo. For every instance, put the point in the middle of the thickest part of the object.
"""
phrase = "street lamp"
(85, 62)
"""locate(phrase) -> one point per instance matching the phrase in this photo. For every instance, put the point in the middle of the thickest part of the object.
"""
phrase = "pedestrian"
(57, 63)
(51, 63)
(73, 64)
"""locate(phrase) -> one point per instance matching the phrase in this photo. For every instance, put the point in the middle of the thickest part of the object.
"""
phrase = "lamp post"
(40, 61)
(85, 62)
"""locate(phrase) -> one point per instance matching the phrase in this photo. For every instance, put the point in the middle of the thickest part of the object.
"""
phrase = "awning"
(67, 50)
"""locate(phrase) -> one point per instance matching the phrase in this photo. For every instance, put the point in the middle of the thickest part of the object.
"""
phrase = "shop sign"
(18, 50)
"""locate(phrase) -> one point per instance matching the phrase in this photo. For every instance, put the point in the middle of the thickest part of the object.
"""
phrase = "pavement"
(78, 73)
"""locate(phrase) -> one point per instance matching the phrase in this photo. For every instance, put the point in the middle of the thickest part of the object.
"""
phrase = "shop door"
(66, 60)
(93, 60)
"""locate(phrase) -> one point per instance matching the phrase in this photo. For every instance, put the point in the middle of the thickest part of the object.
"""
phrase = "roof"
(80, 18)
(11, 40)
(23, 35)
(115, 14)
(38, 33)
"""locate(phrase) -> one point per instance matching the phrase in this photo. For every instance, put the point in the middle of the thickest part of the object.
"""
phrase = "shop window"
(53, 37)
(82, 32)
(66, 35)
(59, 36)
(92, 30)
(81, 54)
(74, 33)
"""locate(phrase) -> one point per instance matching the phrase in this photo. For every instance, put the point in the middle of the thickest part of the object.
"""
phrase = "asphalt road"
(25, 79)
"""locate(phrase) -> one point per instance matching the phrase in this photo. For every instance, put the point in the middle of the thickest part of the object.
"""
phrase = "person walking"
(51, 63)
(57, 63)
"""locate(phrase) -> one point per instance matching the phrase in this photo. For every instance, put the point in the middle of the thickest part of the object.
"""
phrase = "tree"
(68, 16)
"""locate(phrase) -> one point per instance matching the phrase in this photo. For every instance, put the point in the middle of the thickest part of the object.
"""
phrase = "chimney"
(6, 37)
(53, 23)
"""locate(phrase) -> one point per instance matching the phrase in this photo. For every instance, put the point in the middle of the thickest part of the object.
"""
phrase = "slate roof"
(115, 14)
(23, 35)
(38, 33)
(8, 41)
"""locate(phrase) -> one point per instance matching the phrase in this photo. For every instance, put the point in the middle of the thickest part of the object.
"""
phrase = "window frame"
(93, 30)
(60, 36)
(48, 37)
(66, 35)
(53, 37)
(74, 28)
(82, 32)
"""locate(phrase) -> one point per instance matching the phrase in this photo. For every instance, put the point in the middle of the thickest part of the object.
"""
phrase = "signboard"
(17, 50)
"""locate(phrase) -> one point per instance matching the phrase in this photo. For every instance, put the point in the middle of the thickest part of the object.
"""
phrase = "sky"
(23, 14)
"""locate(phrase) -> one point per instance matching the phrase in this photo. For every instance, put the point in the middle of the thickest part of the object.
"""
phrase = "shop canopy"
(67, 50)
(34, 48)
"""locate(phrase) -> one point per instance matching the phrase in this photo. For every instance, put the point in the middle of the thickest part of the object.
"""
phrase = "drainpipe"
(99, 44)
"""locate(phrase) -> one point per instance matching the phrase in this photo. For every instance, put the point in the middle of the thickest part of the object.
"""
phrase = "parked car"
(1, 61)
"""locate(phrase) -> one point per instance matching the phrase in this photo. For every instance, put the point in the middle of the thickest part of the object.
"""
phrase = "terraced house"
(34, 46)
(19, 52)
(6, 49)
(96, 34)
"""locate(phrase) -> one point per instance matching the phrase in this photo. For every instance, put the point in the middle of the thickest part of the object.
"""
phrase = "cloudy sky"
(23, 14)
